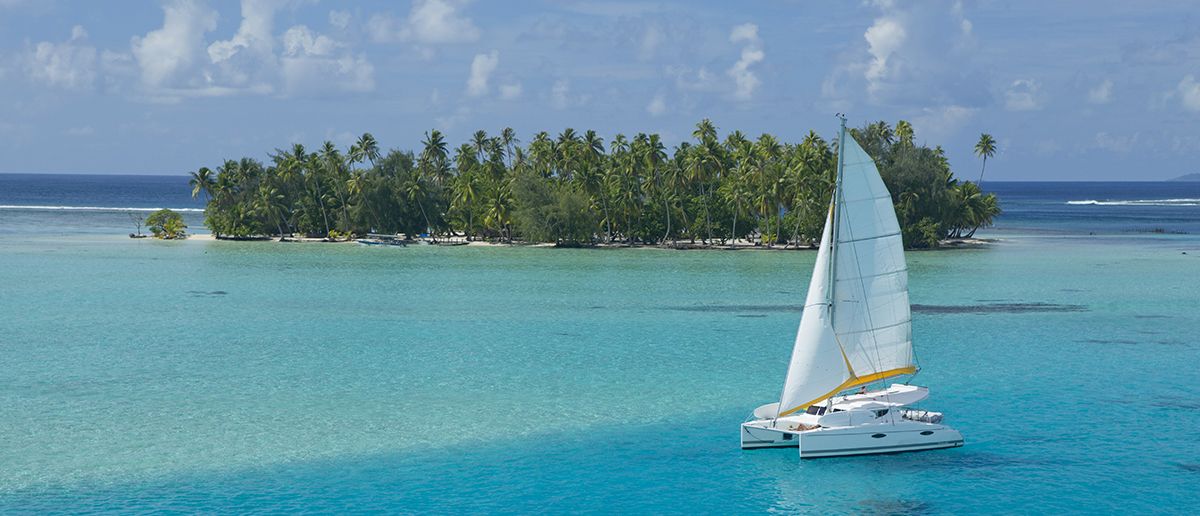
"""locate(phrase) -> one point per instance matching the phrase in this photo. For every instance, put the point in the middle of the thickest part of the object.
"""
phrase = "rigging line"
(873, 276)
(869, 238)
(856, 332)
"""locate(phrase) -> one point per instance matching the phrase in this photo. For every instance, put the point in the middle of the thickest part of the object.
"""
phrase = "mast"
(836, 205)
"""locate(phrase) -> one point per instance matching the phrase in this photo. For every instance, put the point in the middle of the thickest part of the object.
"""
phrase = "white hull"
(900, 435)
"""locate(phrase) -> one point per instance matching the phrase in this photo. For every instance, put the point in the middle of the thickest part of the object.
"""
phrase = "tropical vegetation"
(166, 224)
(579, 189)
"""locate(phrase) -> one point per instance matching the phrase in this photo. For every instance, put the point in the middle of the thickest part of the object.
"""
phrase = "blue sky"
(1073, 90)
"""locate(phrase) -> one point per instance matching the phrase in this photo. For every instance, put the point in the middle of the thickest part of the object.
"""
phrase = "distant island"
(1187, 177)
(574, 190)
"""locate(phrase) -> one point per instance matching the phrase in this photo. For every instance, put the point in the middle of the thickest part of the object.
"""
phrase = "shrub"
(166, 224)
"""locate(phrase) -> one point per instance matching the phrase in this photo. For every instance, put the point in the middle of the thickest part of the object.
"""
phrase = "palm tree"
(985, 148)
(904, 133)
(434, 145)
(508, 138)
(479, 142)
(368, 147)
(270, 207)
(414, 190)
(202, 181)
(705, 131)
(656, 155)
(464, 190)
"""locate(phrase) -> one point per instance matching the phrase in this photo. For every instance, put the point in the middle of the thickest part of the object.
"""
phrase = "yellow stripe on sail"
(852, 383)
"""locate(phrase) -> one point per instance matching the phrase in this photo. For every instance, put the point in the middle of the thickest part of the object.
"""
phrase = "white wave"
(89, 208)
(1139, 202)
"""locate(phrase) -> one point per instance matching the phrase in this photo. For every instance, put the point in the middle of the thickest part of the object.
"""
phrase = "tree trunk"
(733, 233)
(667, 207)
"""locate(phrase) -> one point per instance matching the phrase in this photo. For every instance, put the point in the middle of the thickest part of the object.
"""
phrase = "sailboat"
(855, 333)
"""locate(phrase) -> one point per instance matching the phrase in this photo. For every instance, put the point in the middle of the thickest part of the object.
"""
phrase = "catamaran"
(855, 332)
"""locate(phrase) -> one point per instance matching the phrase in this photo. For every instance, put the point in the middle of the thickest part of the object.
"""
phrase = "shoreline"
(742, 245)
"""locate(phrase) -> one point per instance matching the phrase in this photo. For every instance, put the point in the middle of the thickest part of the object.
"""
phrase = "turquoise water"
(235, 377)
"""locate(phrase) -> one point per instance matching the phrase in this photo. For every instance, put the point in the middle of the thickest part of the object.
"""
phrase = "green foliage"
(553, 212)
(577, 188)
(930, 203)
(166, 224)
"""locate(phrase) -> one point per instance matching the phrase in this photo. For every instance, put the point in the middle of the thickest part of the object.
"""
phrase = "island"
(576, 189)
(1195, 176)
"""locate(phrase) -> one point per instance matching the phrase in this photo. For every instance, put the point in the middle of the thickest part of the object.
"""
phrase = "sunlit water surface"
(222, 376)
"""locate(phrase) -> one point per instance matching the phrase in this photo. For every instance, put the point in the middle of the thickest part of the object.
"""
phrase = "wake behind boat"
(855, 331)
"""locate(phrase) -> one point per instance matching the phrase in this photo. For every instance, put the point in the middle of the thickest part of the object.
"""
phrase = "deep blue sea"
(247, 377)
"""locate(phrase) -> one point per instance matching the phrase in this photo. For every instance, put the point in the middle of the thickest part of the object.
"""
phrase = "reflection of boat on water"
(374, 239)
(856, 330)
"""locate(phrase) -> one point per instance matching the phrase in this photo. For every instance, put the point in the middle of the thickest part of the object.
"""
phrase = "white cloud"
(86, 130)
(1023, 95)
(1189, 93)
(317, 75)
(429, 22)
(254, 33)
(744, 32)
(1121, 144)
(165, 54)
(917, 54)
(175, 61)
(300, 41)
(510, 91)
(71, 64)
(339, 19)
(448, 122)
(884, 38)
(699, 80)
(481, 70)
(939, 124)
(652, 39)
(657, 105)
(560, 94)
(1102, 93)
(310, 65)
(745, 80)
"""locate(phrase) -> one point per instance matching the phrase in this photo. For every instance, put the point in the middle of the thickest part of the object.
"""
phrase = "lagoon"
(251, 376)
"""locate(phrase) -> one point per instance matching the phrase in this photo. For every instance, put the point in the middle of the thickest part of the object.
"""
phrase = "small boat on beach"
(374, 239)
(855, 333)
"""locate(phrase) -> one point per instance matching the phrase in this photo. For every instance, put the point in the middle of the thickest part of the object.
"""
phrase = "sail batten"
(856, 327)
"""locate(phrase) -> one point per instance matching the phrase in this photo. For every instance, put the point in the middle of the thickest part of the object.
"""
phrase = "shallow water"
(252, 376)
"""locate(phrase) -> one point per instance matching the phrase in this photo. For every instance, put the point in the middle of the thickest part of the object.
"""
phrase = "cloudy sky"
(1076, 90)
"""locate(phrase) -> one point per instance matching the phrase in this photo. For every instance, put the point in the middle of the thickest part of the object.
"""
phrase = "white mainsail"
(856, 325)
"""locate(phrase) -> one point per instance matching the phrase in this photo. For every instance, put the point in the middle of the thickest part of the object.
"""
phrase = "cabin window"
(813, 409)
(877, 436)
(787, 437)
(880, 413)
(927, 432)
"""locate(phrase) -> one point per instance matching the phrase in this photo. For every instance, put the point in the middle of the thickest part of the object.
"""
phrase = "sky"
(1071, 90)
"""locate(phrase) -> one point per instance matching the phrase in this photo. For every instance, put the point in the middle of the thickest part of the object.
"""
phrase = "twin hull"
(900, 436)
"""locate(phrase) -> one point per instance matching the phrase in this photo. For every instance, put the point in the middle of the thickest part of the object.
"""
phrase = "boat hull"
(869, 439)
(756, 436)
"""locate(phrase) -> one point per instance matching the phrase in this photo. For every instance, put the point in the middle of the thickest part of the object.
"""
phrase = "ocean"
(202, 376)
